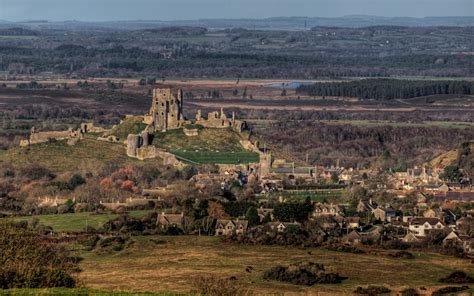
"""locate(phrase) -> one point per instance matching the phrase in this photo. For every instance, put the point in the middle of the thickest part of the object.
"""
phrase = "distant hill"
(274, 23)
(17, 32)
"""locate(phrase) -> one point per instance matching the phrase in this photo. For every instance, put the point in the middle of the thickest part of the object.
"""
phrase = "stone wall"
(43, 137)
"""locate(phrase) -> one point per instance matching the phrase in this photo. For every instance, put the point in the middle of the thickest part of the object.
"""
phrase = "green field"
(218, 157)
(76, 221)
(171, 263)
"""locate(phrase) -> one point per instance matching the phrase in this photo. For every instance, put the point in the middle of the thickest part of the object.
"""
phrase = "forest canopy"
(388, 89)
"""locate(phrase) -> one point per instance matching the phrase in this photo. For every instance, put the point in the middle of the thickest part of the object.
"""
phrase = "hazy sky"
(88, 10)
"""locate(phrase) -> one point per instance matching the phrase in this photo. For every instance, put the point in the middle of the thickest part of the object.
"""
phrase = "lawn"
(76, 221)
(170, 263)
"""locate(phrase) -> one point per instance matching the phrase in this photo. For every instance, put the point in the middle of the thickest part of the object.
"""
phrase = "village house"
(451, 239)
(352, 237)
(366, 206)
(229, 227)
(433, 213)
(326, 209)
(384, 214)
(457, 196)
(352, 222)
(420, 226)
(410, 238)
(282, 226)
(166, 221)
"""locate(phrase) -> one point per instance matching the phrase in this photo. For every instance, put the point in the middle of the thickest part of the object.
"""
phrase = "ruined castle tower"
(167, 109)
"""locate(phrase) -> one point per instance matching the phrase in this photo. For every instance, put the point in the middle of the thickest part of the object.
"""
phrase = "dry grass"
(86, 156)
(177, 262)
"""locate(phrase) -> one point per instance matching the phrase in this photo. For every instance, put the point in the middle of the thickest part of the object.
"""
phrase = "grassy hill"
(212, 145)
(87, 155)
(130, 125)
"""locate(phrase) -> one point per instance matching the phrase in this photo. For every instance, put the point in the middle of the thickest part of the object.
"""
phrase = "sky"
(103, 10)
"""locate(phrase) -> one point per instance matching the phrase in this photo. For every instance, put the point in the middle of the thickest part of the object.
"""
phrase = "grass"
(87, 155)
(212, 145)
(131, 125)
(170, 263)
(77, 291)
(209, 139)
(73, 222)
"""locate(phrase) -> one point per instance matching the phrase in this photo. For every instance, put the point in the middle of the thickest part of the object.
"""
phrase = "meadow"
(171, 263)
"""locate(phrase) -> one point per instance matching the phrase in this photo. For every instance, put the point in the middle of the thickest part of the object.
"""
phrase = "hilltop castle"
(166, 113)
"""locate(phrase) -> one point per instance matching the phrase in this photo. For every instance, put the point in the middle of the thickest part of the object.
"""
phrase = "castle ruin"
(166, 111)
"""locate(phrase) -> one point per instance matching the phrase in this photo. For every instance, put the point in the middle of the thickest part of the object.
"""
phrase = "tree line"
(388, 89)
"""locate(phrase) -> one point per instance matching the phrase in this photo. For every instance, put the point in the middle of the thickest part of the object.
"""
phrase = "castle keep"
(166, 111)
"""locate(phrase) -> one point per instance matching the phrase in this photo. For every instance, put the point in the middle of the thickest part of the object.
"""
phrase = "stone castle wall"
(43, 137)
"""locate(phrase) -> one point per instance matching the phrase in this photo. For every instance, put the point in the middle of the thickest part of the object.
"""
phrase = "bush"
(372, 290)
(35, 172)
(457, 277)
(75, 181)
(302, 274)
(409, 292)
(448, 290)
(211, 286)
(402, 255)
(30, 260)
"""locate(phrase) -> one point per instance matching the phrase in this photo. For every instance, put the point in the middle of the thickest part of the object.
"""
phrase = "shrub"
(402, 255)
(457, 277)
(75, 181)
(372, 290)
(302, 274)
(409, 292)
(448, 290)
(30, 260)
(211, 286)
(35, 172)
